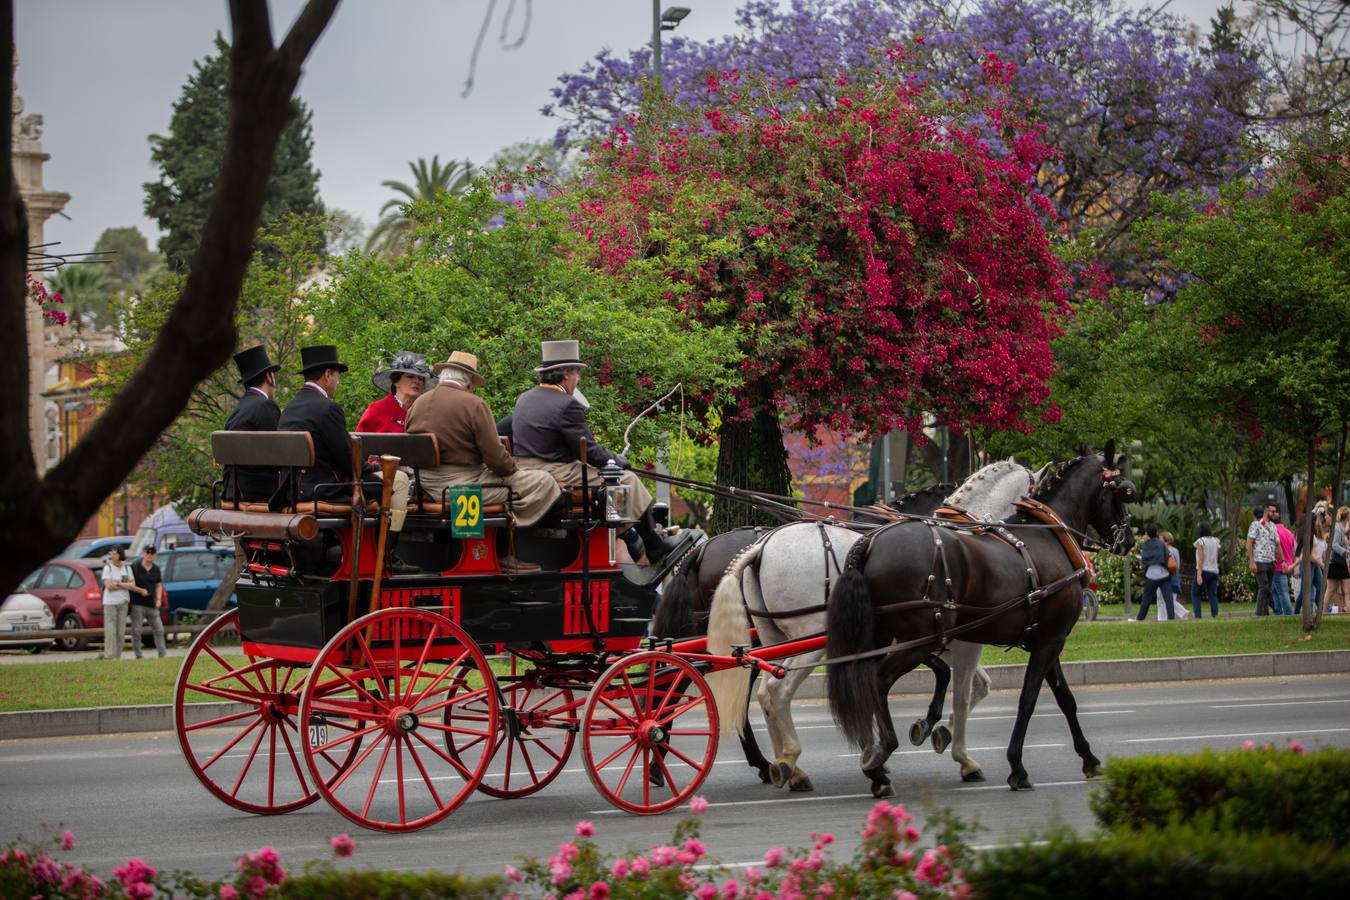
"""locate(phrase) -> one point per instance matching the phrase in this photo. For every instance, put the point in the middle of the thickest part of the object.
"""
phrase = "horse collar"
(1044, 514)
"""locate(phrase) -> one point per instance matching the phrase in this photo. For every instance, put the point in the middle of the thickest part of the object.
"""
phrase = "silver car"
(23, 612)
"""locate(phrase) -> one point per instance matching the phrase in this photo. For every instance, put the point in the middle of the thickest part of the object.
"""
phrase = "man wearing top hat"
(256, 411)
(547, 428)
(470, 450)
(312, 409)
(402, 380)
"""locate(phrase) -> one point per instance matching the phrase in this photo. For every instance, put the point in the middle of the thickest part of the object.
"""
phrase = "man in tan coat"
(471, 452)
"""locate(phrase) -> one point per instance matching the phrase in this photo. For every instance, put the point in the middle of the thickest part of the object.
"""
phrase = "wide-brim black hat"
(319, 357)
(252, 363)
(404, 362)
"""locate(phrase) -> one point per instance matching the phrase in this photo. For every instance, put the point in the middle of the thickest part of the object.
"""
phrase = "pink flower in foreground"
(343, 846)
(559, 870)
(1247, 745)
(663, 855)
(227, 892)
(730, 889)
(641, 868)
(905, 895)
(140, 891)
(67, 840)
(585, 829)
(1294, 747)
(773, 857)
(698, 806)
(568, 851)
(619, 870)
(513, 874)
(706, 892)
(599, 891)
(695, 846)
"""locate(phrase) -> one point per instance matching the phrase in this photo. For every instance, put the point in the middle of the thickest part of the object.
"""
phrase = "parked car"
(73, 591)
(27, 613)
(166, 530)
(191, 576)
(95, 548)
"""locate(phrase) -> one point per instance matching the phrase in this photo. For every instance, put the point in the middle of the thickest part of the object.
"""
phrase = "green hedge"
(1154, 864)
(389, 886)
(1280, 791)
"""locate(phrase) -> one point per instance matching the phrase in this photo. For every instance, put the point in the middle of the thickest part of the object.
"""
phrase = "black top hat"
(319, 357)
(252, 363)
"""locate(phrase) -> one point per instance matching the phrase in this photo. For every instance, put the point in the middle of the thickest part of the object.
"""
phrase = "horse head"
(1090, 491)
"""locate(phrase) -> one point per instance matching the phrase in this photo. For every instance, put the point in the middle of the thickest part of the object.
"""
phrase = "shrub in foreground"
(1252, 790)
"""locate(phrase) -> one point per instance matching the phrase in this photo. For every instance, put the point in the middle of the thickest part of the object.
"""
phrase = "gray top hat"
(560, 355)
(404, 362)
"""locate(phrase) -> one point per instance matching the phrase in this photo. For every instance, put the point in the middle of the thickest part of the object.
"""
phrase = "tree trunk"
(39, 516)
(958, 458)
(1311, 611)
(750, 454)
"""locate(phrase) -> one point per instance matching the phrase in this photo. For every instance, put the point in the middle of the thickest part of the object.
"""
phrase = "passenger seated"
(256, 411)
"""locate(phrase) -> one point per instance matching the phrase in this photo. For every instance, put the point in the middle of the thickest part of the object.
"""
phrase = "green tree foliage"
(495, 281)
(130, 261)
(190, 155)
(392, 235)
(269, 312)
(84, 290)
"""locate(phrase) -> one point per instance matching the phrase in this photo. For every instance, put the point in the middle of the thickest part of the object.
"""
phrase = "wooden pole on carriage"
(388, 466)
(358, 526)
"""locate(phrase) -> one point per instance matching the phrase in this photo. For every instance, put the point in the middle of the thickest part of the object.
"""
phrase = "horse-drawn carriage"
(394, 698)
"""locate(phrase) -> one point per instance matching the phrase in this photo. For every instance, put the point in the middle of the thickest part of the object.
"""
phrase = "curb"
(128, 719)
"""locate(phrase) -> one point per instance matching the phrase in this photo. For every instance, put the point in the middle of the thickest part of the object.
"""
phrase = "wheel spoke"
(230, 746)
(225, 694)
(452, 701)
(375, 782)
(426, 779)
(290, 751)
(665, 771)
(356, 764)
(252, 753)
(355, 735)
(615, 755)
(221, 720)
(458, 766)
(680, 710)
(618, 712)
(421, 662)
(440, 676)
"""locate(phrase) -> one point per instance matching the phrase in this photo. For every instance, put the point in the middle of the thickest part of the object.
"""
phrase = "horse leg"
(942, 677)
(884, 740)
(969, 686)
(775, 697)
(749, 746)
(1059, 685)
(1044, 652)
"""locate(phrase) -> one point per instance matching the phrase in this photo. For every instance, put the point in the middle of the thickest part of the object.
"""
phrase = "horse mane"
(940, 487)
(996, 469)
(1051, 482)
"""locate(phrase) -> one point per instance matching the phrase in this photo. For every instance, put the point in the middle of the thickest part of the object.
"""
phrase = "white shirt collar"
(316, 387)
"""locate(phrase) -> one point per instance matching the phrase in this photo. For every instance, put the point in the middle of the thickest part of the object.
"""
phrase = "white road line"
(1240, 734)
(1275, 703)
(929, 752)
(1081, 782)
(618, 812)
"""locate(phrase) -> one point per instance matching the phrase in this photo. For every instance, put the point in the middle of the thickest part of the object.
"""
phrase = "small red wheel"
(529, 750)
(248, 757)
(649, 732)
(390, 678)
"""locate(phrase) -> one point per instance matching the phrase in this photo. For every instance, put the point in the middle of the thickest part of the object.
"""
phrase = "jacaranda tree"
(878, 257)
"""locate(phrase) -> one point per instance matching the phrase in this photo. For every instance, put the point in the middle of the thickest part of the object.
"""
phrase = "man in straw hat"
(402, 380)
(548, 426)
(255, 411)
(312, 409)
(470, 450)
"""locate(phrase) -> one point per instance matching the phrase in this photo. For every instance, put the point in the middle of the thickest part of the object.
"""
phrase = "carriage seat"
(293, 450)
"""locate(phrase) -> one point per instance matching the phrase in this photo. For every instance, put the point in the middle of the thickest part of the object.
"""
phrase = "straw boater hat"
(252, 363)
(318, 357)
(404, 362)
(560, 355)
(465, 362)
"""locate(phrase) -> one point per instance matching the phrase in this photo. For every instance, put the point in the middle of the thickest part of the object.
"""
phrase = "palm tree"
(84, 293)
(393, 233)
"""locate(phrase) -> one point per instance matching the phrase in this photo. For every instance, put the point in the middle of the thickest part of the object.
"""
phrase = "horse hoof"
(1020, 783)
(656, 778)
(764, 776)
(882, 790)
(918, 732)
(802, 785)
(1093, 769)
(977, 775)
(942, 738)
(779, 773)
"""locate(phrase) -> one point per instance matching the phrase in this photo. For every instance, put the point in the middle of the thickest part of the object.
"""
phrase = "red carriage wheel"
(246, 751)
(649, 732)
(537, 730)
(390, 679)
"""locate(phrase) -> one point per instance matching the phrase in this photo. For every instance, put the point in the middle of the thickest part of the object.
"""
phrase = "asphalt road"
(130, 796)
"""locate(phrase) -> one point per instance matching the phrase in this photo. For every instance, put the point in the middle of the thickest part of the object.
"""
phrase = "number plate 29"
(466, 511)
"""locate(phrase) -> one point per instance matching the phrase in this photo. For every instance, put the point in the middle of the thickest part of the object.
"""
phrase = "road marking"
(1240, 734)
(1275, 703)
(968, 750)
(1004, 787)
(618, 812)
(1056, 713)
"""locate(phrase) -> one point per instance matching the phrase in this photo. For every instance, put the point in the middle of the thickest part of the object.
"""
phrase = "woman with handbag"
(1174, 567)
(1337, 570)
(1153, 556)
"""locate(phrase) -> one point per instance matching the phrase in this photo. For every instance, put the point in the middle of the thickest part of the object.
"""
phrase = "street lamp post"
(663, 21)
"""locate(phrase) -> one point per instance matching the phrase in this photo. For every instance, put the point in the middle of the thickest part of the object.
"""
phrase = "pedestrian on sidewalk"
(1173, 566)
(1153, 557)
(1284, 568)
(147, 601)
(1337, 571)
(117, 584)
(1318, 558)
(1206, 571)
(1262, 550)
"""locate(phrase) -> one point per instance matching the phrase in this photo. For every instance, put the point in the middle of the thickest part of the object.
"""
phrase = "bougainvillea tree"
(877, 256)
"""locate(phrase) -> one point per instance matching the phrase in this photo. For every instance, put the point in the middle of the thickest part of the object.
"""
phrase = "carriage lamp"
(616, 493)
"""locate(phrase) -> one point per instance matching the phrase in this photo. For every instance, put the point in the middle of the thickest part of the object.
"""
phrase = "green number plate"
(466, 511)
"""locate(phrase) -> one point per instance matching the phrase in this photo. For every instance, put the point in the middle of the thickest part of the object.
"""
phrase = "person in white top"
(117, 583)
(1318, 558)
(1206, 582)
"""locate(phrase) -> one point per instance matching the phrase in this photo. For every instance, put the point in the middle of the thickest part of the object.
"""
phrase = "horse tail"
(675, 613)
(729, 625)
(849, 625)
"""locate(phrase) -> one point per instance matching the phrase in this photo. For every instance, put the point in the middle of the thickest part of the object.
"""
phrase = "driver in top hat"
(257, 410)
(402, 380)
(547, 428)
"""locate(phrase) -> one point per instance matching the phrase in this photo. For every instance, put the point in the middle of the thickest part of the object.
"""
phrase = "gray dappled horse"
(1021, 584)
(792, 569)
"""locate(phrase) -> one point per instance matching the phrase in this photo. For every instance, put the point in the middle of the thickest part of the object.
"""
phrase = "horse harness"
(827, 547)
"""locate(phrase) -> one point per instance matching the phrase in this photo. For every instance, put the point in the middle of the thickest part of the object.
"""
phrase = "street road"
(133, 795)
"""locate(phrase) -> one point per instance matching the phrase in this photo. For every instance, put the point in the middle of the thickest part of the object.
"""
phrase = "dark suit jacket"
(549, 424)
(311, 410)
(254, 413)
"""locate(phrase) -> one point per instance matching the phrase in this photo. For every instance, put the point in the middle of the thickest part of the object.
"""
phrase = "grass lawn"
(137, 682)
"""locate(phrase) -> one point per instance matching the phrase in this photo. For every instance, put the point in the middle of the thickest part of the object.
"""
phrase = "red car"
(74, 592)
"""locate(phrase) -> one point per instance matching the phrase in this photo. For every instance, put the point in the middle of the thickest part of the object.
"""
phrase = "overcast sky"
(384, 85)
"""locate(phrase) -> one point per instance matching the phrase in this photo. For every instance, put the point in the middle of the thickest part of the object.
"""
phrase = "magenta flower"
(513, 874)
(585, 829)
(1296, 747)
(641, 868)
(599, 891)
(343, 846)
(227, 892)
(773, 857)
(568, 851)
(1247, 745)
(663, 855)
(706, 892)
(619, 870)
(67, 840)
(696, 847)
(140, 891)
(698, 806)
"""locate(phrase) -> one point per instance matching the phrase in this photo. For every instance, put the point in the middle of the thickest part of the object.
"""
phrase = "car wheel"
(1090, 606)
(70, 621)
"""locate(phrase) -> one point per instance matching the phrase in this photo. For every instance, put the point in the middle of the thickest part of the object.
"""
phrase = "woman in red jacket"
(402, 379)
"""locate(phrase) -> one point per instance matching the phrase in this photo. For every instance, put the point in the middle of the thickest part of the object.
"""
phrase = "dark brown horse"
(909, 587)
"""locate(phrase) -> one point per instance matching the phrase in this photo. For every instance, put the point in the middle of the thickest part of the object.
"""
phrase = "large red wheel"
(389, 679)
(649, 732)
(246, 750)
(529, 750)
